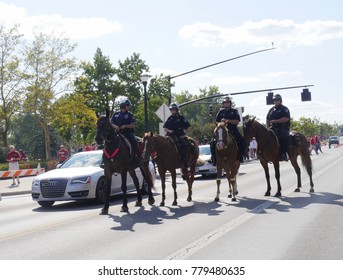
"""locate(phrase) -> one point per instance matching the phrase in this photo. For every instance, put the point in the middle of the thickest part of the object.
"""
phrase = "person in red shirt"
(22, 155)
(62, 154)
(87, 148)
(13, 158)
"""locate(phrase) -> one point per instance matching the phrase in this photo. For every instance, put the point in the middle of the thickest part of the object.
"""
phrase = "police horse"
(168, 159)
(268, 151)
(227, 159)
(117, 158)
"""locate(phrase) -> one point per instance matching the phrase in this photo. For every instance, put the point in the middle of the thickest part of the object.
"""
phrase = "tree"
(10, 79)
(97, 83)
(49, 69)
(73, 118)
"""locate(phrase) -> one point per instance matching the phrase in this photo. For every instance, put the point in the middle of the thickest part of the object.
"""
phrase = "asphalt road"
(295, 226)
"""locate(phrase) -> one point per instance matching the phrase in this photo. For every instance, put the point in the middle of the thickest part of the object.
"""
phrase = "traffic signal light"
(210, 110)
(306, 95)
(269, 98)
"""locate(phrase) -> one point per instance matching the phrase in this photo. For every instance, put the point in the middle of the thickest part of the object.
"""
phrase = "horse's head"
(221, 135)
(148, 147)
(103, 128)
(248, 130)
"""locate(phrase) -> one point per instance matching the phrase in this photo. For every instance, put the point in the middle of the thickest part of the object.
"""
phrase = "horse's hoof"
(311, 190)
(216, 199)
(103, 212)
(297, 190)
(233, 199)
(174, 203)
(236, 193)
(162, 204)
(151, 201)
(138, 203)
(124, 209)
(278, 194)
(229, 196)
(189, 199)
(267, 194)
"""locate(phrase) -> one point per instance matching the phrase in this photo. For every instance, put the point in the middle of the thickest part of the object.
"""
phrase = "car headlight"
(35, 183)
(81, 180)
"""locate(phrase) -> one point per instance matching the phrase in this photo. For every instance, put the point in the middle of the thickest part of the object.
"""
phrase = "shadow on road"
(156, 215)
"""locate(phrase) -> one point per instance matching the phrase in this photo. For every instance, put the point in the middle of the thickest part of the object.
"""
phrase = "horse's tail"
(302, 144)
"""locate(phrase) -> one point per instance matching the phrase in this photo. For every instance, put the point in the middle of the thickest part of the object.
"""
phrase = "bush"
(32, 164)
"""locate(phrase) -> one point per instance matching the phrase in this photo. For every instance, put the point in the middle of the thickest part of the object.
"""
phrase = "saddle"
(177, 145)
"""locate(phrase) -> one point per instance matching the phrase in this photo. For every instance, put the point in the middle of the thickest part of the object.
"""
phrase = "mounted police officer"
(278, 119)
(232, 117)
(178, 126)
(124, 122)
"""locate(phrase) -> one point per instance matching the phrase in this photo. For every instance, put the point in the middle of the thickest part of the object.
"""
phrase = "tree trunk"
(47, 141)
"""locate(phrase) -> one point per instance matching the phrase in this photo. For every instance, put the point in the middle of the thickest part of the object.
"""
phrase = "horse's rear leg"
(188, 180)
(266, 173)
(138, 190)
(173, 176)
(297, 171)
(162, 173)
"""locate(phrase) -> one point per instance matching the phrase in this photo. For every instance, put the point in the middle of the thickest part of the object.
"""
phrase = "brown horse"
(226, 152)
(117, 159)
(268, 151)
(167, 159)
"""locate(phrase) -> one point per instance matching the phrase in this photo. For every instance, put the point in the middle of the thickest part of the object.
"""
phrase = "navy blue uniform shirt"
(228, 114)
(120, 118)
(177, 123)
(279, 112)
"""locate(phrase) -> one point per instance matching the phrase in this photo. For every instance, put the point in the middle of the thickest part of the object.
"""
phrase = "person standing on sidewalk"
(13, 158)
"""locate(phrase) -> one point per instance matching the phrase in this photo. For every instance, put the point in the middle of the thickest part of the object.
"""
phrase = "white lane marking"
(207, 239)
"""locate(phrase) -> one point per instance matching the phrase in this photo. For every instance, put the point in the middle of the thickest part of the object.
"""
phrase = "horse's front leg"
(266, 173)
(136, 183)
(277, 177)
(124, 208)
(218, 181)
(148, 180)
(107, 191)
(173, 176)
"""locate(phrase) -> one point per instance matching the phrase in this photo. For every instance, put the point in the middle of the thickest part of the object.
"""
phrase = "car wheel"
(46, 204)
(100, 190)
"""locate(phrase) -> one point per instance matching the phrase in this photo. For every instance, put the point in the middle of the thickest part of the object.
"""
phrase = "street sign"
(163, 112)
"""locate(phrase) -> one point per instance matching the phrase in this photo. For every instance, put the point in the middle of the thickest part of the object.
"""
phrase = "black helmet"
(124, 102)
(174, 106)
(277, 97)
(226, 99)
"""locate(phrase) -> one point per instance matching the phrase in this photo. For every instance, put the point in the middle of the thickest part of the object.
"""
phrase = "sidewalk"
(6, 189)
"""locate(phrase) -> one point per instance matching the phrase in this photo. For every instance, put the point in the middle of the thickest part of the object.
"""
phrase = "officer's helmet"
(124, 102)
(226, 100)
(174, 106)
(277, 97)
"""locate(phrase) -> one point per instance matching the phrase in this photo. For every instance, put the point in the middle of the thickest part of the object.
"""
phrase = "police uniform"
(178, 124)
(232, 114)
(280, 129)
(126, 118)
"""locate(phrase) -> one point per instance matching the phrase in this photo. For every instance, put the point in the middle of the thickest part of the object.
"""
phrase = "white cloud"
(282, 32)
(73, 28)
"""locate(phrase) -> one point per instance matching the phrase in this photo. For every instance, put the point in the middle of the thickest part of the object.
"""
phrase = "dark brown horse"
(117, 159)
(268, 151)
(227, 160)
(167, 159)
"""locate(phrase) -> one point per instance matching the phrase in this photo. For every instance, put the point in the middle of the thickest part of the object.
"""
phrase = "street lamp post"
(144, 79)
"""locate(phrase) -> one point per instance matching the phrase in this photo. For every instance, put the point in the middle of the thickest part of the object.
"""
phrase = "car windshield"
(334, 137)
(204, 150)
(85, 159)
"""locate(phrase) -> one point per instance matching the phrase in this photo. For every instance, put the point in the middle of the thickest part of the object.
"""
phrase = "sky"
(177, 36)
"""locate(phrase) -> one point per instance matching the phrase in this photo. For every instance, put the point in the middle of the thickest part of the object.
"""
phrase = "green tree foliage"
(73, 119)
(10, 79)
(49, 69)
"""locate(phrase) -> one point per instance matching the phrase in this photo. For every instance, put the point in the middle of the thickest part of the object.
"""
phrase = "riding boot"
(213, 159)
